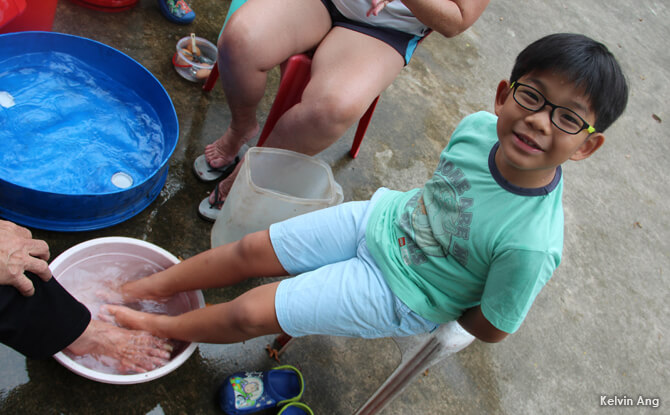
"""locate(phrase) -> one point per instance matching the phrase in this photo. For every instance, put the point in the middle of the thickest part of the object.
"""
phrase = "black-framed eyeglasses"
(563, 118)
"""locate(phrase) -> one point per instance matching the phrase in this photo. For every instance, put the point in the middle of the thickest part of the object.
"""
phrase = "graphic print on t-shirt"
(435, 220)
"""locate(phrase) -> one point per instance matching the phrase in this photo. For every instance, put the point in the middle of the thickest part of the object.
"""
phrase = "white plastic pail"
(274, 185)
(123, 259)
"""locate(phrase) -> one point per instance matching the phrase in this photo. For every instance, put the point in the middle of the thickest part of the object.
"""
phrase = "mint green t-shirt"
(469, 237)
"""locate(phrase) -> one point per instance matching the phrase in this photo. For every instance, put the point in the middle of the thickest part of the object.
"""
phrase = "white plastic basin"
(126, 255)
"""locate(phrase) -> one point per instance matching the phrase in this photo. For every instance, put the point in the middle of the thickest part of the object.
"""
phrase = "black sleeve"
(43, 324)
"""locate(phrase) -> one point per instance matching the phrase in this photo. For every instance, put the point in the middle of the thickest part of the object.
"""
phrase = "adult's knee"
(334, 113)
(235, 42)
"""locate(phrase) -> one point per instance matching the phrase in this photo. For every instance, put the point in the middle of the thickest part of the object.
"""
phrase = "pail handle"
(339, 194)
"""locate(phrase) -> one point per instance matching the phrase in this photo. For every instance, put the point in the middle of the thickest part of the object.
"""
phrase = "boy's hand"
(19, 252)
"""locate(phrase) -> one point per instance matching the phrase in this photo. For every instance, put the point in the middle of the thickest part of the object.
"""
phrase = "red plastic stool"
(10, 10)
(212, 78)
(295, 74)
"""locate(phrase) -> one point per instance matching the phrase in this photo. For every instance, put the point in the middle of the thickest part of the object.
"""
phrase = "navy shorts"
(404, 43)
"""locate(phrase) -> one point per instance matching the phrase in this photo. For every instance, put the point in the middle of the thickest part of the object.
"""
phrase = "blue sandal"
(295, 408)
(176, 11)
(249, 392)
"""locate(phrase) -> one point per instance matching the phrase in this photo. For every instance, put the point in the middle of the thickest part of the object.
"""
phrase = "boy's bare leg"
(252, 256)
(344, 81)
(250, 315)
(259, 36)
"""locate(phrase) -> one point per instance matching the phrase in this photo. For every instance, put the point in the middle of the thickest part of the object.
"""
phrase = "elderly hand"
(19, 252)
(128, 351)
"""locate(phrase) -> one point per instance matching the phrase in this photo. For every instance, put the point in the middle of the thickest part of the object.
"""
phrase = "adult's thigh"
(352, 68)
(273, 30)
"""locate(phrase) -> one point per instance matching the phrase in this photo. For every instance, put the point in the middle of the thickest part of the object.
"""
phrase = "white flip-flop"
(209, 211)
(207, 173)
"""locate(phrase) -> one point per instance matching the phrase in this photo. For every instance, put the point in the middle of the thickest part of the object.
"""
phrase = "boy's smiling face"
(531, 147)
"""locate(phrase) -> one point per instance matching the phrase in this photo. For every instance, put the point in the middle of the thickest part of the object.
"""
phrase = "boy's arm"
(475, 323)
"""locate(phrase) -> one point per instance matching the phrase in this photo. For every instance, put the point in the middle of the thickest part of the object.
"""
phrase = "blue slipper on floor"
(176, 11)
(295, 408)
(249, 392)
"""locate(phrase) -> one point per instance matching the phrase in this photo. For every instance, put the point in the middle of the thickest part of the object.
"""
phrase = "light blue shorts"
(338, 289)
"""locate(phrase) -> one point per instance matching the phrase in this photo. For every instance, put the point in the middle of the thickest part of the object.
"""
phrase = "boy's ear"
(592, 143)
(502, 93)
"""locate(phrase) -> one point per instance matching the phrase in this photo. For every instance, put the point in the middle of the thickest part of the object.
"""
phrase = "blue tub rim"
(157, 179)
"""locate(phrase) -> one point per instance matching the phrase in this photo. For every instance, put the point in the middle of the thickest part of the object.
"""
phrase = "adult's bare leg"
(344, 81)
(258, 36)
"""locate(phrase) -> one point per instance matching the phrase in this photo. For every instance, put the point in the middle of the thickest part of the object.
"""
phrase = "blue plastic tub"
(91, 158)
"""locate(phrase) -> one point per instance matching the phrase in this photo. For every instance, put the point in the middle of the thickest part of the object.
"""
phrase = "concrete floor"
(599, 328)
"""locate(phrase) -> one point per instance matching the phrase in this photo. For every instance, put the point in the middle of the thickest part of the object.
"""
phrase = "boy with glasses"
(475, 245)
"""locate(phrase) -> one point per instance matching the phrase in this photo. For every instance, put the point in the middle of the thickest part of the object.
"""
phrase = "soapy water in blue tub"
(73, 129)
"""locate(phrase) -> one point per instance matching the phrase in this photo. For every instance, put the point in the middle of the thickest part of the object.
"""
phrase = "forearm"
(43, 324)
(474, 322)
(448, 17)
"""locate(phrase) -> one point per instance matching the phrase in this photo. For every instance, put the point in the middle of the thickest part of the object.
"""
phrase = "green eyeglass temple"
(589, 128)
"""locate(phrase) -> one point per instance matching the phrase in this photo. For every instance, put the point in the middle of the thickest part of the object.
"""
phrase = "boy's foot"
(128, 318)
(143, 289)
(177, 11)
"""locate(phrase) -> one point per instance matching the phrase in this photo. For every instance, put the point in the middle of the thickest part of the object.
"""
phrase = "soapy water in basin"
(95, 282)
(72, 127)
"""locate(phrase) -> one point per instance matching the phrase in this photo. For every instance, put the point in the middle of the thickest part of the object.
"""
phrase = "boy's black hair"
(587, 63)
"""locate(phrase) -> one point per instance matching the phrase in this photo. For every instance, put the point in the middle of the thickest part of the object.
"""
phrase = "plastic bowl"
(188, 68)
(131, 254)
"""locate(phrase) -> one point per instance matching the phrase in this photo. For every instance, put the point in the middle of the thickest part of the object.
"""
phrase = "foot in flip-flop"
(249, 392)
(210, 210)
(207, 173)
